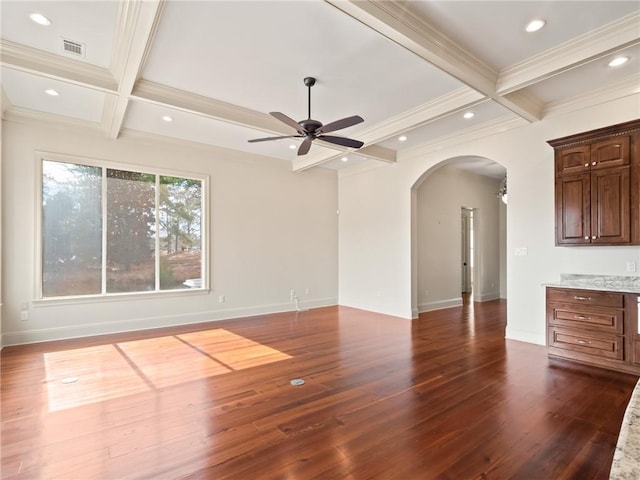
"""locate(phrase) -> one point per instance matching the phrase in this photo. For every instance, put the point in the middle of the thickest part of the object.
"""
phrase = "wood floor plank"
(441, 397)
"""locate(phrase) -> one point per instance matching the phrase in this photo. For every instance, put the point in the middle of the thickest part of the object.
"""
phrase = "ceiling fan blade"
(305, 145)
(345, 142)
(340, 124)
(288, 120)
(265, 139)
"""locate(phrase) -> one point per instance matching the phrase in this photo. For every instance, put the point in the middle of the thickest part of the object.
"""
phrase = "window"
(108, 230)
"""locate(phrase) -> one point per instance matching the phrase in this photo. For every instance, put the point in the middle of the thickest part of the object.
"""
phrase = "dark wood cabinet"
(597, 187)
(594, 327)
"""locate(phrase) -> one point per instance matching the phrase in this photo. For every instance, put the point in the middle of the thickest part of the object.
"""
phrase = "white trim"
(499, 125)
(149, 323)
(578, 51)
(486, 297)
(523, 336)
(439, 304)
(105, 164)
(50, 65)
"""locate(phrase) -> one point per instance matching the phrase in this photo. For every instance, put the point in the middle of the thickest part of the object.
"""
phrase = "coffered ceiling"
(216, 68)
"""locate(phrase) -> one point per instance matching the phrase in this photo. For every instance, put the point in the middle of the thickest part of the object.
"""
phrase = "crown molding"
(435, 109)
(573, 53)
(6, 104)
(500, 125)
(627, 86)
(45, 64)
(360, 169)
(27, 116)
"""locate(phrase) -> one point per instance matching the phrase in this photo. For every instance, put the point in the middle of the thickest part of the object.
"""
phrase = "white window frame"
(42, 156)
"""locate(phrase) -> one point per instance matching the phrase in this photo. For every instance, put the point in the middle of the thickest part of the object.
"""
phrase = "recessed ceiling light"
(344, 159)
(292, 146)
(535, 25)
(167, 118)
(52, 92)
(40, 19)
(402, 138)
(616, 62)
(469, 115)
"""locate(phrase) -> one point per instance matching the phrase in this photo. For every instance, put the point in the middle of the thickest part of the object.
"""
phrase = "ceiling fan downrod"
(309, 82)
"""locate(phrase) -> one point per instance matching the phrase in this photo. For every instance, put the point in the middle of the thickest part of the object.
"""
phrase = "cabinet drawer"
(586, 297)
(602, 346)
(609, 320)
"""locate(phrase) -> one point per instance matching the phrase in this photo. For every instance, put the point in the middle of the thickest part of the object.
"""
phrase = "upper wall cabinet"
(597, 186)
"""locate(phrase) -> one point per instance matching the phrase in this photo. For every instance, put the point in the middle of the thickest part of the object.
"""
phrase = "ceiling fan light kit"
(311, 129)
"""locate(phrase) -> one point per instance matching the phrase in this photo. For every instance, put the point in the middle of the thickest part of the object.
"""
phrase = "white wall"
(375, 243)
(439, 201)
(272, 230)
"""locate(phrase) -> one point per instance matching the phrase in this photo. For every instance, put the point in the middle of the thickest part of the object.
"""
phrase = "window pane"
(180, 215)
(71, 229)
(130, 231)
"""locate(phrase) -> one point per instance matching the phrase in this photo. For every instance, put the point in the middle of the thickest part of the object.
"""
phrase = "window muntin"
(109, 231)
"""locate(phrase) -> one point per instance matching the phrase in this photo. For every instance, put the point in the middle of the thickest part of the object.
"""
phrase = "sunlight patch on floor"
(115, 370)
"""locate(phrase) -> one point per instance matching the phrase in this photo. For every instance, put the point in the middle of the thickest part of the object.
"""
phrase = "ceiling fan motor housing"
(310, 126)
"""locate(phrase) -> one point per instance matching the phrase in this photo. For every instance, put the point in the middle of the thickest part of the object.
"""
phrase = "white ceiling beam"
(157, 94)
(393, 21)
(154, 93)
(576, 52)
(49, 65)
(139, 22)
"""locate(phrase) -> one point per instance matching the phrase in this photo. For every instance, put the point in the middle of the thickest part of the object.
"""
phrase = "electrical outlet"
(221, 299)
(306, 291)
(292, 294)
(631, 267)
(521, 251)
(24, 315)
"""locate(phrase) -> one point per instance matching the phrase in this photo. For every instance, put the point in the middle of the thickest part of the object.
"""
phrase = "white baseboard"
(528, 337)
(104, 328)
(486, 297)
(439, 304)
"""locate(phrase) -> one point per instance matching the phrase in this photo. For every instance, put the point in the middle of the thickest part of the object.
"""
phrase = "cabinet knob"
(586, 299)
(586, 164)
(594, 163)
(587, 237)
(593, 238)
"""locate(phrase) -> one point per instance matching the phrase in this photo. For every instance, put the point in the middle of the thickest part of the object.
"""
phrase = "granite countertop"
(612, 283)
(626, 459)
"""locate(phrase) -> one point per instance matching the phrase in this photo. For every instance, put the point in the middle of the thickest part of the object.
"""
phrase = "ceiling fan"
(310, 129)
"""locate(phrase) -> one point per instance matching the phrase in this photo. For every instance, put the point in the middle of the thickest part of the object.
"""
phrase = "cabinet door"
(610, 204)
(610, 153)
(573, 210)
(573, 160)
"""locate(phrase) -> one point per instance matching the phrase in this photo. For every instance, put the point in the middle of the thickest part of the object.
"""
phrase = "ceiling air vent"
(73, 48)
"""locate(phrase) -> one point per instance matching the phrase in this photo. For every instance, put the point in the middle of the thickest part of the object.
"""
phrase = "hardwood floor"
(443, 397)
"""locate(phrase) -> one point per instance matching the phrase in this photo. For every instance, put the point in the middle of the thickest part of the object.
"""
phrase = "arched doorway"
(457, 192)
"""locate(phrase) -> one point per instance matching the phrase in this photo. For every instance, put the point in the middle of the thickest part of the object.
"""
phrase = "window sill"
(118, 297)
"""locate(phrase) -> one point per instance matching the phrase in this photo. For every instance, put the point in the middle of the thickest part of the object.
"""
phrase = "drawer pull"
(582, 298)
(581, 317)
(582, 342)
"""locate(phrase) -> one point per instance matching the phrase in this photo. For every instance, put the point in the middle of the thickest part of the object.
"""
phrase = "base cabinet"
(594, 327)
